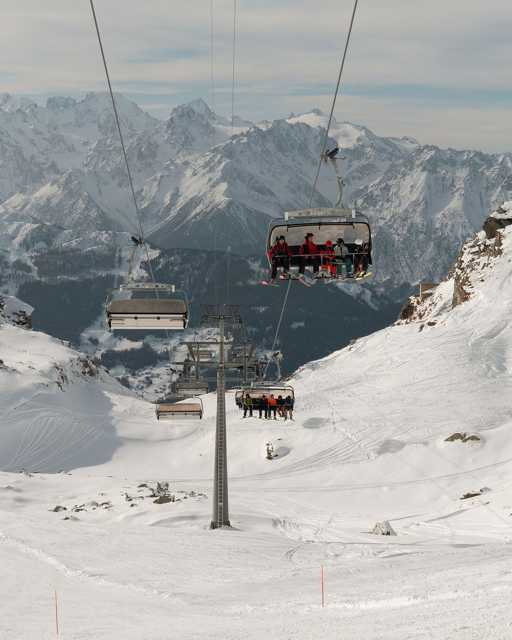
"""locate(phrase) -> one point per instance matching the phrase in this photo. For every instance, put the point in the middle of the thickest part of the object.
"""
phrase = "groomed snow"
(368, 444)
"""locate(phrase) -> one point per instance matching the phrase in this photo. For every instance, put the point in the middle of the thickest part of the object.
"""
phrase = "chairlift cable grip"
(335, 97)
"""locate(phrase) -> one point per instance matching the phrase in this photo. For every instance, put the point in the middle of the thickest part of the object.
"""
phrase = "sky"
(436, 70)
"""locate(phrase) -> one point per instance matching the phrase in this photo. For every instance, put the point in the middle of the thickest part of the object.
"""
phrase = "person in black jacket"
(263, 406)
(289, 404)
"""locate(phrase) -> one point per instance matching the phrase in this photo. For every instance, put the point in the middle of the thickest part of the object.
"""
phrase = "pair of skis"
(302, 279)
(309, 282)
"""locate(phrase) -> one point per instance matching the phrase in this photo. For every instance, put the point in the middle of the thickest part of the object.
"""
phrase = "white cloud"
(285, 49)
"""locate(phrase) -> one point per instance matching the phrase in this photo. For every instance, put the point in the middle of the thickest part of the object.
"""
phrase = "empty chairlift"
(191, 388)
(147, 307)
(180, 410)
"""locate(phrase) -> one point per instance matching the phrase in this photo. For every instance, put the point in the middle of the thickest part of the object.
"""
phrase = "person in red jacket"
(327, 258)
(280, 254)
(309, 254)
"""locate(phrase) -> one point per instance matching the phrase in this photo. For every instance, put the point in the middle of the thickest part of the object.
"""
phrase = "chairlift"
(259, 389)
(147, 306)
(180, 410)
(328, 225)
(191, 388)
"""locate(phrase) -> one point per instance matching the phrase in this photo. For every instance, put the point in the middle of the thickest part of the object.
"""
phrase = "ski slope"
(368, 443)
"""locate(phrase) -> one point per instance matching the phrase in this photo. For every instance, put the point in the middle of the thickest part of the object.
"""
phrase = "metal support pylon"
(221, 316)
(220, 482)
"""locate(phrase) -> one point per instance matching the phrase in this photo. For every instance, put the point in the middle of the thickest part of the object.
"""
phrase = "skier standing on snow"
(272, 407)
(289, 403)
(247, 405)
(263, 406)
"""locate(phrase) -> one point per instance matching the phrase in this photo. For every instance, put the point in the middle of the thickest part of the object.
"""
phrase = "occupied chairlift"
(260, 389)
(327, 224)
(180, 410)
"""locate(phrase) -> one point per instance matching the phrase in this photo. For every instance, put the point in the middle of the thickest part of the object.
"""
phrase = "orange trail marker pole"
(322, 586)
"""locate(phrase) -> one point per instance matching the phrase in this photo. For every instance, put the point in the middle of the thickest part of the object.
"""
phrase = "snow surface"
(504, 212)
(368, 445)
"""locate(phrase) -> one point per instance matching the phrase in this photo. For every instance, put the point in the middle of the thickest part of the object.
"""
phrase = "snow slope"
(368, 444)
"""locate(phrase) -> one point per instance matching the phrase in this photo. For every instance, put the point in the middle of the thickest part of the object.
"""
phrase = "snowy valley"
(408, 425)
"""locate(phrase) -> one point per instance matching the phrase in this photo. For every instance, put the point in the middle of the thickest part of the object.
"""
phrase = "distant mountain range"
(202, 185)
(205, 186)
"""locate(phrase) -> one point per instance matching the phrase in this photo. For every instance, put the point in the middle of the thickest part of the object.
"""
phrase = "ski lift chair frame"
(261, 389)
(191, 388)
(326, 224)
(151, 314)
(180, 410)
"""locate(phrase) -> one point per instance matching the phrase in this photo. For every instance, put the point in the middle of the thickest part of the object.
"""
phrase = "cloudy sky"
(438, 70)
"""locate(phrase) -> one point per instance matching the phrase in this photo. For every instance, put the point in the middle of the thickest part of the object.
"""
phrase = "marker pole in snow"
(322, 586)
(221, 315)
(56, 614)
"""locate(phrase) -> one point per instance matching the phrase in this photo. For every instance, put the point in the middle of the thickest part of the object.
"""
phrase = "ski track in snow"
(368, 443)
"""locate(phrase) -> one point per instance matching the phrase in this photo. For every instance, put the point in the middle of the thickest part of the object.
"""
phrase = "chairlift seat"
(147, 313)
(326, 224)
(190, 388)
(179, 411)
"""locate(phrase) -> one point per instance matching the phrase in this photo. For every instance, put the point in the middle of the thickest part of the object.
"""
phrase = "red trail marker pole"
(56, 614)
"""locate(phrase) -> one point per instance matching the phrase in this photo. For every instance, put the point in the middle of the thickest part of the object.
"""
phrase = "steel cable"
(324, 144)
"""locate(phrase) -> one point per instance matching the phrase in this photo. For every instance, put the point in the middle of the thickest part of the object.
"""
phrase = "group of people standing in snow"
(333, 260)
(268, 406)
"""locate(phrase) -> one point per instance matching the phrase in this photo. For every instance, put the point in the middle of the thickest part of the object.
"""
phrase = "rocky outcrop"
(15, 312)
(476, 257)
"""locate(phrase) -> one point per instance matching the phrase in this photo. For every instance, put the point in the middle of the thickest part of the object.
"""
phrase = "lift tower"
(222, 316)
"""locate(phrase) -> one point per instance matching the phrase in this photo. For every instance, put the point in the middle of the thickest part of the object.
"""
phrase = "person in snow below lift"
(263, 407)
(309, 254)
(288, 405)
(280, 254)
(247, 405)
(280, 407)
(272, 407)
(343, 261)
(328, 267)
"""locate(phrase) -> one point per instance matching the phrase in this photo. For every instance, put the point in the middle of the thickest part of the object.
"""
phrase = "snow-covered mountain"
(55, 402)
(410, 425)
(203, 184)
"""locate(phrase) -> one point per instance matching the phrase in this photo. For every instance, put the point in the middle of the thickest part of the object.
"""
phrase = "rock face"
(475, 261)
(476, 257)
(500, 219)
(383, 528)
(16, 312)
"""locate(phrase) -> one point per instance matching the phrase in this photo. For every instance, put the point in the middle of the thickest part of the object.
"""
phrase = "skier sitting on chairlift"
(309, 254)
(280, 254)
(361, 259)
(343, 261)
(327, 257)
